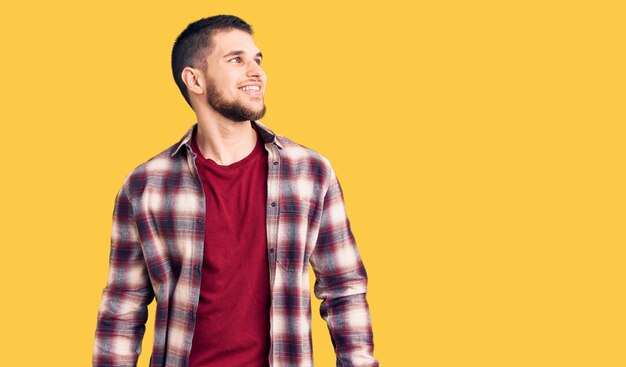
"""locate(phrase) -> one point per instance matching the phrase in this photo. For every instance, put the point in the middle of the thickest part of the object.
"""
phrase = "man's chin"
(258, 114)
(239, 112)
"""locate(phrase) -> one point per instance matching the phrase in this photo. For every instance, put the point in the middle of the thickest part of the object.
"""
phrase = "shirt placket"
(198, 251)
(273, 200)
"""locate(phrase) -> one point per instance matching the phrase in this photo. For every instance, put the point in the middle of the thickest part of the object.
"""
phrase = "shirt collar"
(268, 136)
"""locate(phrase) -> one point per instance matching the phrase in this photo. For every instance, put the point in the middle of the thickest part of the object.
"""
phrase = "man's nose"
(255, 69)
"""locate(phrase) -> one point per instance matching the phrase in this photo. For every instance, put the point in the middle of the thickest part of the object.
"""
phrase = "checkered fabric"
(157, 241)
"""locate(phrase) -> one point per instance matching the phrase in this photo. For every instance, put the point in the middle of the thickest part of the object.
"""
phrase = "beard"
(232, 110)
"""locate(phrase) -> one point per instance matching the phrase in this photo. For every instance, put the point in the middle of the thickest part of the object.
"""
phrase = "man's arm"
(341, 282)
(123, 311)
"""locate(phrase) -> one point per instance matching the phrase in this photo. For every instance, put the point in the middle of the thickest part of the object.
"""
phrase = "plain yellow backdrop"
(480, 146)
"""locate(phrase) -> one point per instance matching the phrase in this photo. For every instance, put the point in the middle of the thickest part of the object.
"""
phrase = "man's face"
(234, 78)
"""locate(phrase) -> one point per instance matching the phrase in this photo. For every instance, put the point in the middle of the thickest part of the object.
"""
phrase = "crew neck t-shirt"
(232, 318)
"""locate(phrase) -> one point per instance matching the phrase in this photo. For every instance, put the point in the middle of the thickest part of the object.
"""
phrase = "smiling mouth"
(255, 88)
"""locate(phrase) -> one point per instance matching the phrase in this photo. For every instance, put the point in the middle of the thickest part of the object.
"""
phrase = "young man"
(221, 227)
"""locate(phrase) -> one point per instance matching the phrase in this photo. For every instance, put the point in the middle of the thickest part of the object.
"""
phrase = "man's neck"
(224, 141)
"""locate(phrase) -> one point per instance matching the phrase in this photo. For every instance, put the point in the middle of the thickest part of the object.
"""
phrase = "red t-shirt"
(232, 319)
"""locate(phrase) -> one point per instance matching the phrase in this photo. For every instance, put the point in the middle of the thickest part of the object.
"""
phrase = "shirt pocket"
(293, 231)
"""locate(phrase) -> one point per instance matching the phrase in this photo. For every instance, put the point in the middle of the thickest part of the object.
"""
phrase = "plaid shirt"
(157, 242)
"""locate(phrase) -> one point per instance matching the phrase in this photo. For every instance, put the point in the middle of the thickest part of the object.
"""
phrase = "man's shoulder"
(300, 158)
(157, 167)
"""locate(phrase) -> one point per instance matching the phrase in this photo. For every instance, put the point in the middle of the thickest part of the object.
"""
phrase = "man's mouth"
(251, 87)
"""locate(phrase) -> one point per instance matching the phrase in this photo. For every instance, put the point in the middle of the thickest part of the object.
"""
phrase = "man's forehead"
(228, 41)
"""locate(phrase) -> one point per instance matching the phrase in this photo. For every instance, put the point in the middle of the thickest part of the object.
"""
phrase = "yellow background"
(480, 146)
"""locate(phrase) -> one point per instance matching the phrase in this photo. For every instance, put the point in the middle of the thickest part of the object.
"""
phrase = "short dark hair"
(195, 42)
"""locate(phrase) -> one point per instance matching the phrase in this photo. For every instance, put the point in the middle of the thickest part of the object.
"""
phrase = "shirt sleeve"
(341, 284)
(123, 311)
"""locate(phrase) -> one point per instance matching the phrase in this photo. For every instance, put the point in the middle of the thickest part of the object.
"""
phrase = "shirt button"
(190, 315)
(273, 204)
(271, 251)
(200, 221)
(196, 268)
(275, 163)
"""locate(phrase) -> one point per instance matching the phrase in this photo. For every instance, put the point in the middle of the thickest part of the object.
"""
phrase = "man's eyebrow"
(240, 52)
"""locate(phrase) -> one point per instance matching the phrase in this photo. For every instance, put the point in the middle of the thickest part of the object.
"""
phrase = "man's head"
(215, 62)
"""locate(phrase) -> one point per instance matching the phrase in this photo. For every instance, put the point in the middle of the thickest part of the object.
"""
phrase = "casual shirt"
(157, 246)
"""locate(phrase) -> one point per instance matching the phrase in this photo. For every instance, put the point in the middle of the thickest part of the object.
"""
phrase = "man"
(220, 229)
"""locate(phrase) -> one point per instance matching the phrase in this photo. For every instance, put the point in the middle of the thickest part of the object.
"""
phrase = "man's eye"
(258, 61)
(235, 60)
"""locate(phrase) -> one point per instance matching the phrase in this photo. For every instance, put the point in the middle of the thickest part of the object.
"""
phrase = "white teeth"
(250, 87)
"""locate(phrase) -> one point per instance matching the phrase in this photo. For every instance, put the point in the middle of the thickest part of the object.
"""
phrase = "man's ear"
(194, 80)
